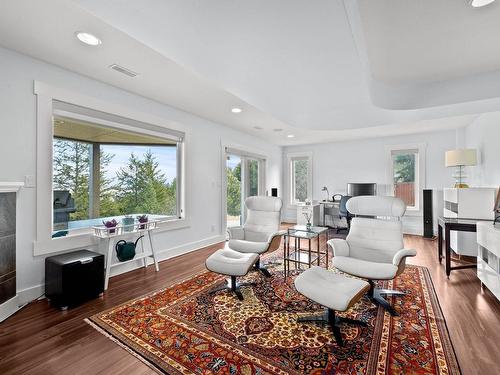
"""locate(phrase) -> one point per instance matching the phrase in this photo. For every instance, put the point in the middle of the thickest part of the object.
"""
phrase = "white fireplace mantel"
(10, 187)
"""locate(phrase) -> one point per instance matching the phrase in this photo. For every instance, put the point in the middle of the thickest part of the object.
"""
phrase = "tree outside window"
(404, 165)
(132, 180)
(299, 179)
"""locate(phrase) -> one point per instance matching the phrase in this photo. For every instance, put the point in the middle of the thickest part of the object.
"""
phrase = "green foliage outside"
(404, 168)
(300, 176)
(71, 172)
(253, 170)
(234, 186)
(139, 186)
(234, 190)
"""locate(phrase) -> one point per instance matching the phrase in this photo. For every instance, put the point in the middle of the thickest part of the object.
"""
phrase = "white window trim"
(421, 173)
(251, 153)
(45, 95)
(288, 173)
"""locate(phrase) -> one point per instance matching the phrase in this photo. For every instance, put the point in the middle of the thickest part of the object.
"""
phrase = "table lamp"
(327, 193)
(460, 158)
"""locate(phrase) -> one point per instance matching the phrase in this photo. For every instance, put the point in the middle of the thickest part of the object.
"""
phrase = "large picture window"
(101, 172)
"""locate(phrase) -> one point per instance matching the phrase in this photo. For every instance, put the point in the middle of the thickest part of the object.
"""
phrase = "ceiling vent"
(123, 70)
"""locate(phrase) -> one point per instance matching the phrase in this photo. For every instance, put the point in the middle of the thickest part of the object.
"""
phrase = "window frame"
(419, 149)
(295, 156)
(158, 133)
(134, 121)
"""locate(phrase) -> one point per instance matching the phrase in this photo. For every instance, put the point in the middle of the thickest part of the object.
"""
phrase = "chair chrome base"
(376, 296)
(261, 268)
(328, 316)
(233, 286)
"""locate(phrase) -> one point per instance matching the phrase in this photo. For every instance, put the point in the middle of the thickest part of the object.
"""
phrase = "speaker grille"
(427, 214)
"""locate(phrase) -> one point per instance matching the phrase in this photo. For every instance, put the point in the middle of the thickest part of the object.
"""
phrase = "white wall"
(18, 157)
(336, 164)
(484, 135)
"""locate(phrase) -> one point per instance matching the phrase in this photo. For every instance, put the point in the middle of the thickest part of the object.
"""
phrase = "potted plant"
(110, 224)
(143, 219)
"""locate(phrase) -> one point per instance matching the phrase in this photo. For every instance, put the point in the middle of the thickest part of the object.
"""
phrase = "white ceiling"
(323, 70)
(412, 41)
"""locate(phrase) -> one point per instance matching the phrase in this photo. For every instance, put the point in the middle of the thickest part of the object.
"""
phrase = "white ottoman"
(231, 263)
(335, 292)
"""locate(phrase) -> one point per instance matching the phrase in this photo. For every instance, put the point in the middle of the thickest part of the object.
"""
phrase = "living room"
(170, 145)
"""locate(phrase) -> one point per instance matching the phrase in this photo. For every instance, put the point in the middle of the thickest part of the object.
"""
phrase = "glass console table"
(296, 254)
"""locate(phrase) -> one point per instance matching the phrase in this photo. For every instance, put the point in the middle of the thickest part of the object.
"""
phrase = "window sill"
(87, 239)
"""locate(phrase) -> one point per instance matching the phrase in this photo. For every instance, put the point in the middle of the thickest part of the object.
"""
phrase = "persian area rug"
(184, 329)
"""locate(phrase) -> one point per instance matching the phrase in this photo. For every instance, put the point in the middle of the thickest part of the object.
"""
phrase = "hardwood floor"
(42, 340)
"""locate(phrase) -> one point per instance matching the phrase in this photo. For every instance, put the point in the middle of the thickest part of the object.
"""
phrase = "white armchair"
(260, 233)
(374, 248)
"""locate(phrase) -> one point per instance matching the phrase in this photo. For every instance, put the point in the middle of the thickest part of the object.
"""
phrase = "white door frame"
(245, 155)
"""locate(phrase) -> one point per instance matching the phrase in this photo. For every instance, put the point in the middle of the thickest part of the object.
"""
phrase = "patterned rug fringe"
(123, 346)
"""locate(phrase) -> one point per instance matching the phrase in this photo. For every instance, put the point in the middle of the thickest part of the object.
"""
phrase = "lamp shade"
(460, 157)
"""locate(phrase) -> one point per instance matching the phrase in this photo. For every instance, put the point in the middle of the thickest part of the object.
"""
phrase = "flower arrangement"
(143, 219)
(110, 224)
(308, 217)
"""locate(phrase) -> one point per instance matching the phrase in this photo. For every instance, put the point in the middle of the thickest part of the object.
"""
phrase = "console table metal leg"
(294, 249)
(310, 254)
(447, 251)
(317, 250)
(326, 248)
(285, 255)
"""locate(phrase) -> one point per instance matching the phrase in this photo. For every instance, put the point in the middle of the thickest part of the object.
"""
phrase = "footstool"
(231, 263)
(333, 291)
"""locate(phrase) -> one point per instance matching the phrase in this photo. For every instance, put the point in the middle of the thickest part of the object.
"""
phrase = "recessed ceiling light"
(88, 38)
(257, 127)
(480, 3)
(277, 130)
(290, 135)
(236, 110)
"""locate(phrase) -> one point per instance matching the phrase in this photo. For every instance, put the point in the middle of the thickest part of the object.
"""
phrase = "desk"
(449, 224)
(332, 209)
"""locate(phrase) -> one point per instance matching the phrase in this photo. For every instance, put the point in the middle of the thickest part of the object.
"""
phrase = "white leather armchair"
(260, 233)
(374, 248)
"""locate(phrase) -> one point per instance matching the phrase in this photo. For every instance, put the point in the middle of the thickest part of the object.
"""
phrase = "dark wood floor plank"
(42, 340)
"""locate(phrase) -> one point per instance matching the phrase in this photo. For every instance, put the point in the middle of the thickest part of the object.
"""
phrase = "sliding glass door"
(243, 179)
(234, 191)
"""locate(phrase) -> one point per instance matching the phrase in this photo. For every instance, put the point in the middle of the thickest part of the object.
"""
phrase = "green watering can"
(126, 250)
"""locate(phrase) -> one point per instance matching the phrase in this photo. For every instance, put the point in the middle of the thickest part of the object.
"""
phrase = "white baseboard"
(22, 297)
(170, 253)
(190, 247)
(9, 307)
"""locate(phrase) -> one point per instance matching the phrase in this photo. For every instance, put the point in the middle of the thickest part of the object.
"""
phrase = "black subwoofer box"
(74, 278)
(428, 220)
